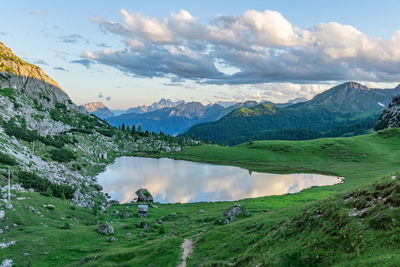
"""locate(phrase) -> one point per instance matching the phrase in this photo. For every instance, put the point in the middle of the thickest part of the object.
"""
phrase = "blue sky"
(228, 50)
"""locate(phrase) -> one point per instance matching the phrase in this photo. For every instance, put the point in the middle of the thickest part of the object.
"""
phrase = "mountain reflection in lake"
(171, 181)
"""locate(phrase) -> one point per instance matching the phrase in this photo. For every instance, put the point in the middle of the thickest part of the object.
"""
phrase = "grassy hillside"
(347, 157)
(353, 223)
(268, 122)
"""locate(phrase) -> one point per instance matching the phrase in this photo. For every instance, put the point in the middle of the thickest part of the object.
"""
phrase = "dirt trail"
(187, 246)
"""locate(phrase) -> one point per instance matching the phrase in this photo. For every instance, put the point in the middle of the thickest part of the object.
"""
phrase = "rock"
(49, 206)
(127, 215)
(86, 260)
(143, 224)
(9, 206)
(112, 239)
(201, 211)
(5, 245)
(32, 209)
(26, 254)
(144, 195)
(235, 211)
(7, 263)
(105, 228)
(2, 214)
(1, 231)
(115, 212)
(14, 225)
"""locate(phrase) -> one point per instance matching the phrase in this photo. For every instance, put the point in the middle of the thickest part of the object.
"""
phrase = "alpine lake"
(179, 181)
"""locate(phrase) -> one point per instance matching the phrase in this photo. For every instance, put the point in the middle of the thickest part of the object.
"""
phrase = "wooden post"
(9, 184)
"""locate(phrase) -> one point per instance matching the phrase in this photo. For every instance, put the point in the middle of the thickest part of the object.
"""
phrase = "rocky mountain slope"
(177, 119)
(98, 109)
(346, 109)
(390, 118)
(44, 135)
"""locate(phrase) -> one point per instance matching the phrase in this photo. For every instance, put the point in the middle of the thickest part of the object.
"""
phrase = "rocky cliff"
(390, 118)
(45, 137)
(31, 81)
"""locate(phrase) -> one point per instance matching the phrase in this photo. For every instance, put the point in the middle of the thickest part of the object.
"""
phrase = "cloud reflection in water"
(171, 181)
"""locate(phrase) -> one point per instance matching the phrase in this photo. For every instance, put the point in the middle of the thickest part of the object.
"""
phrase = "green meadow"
(355, 223)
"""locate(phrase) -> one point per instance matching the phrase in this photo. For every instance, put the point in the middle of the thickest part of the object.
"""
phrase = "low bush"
(8, 92)
(51, 141)
(85, 131)
(6, 159)
(44, 186)
(13, 130)
(62, 155)
(106, 132)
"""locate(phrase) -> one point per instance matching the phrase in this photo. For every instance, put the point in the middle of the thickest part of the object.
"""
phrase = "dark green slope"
(346, 109)
(252, 123)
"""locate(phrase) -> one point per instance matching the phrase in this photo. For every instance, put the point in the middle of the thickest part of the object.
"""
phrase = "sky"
(130, 53)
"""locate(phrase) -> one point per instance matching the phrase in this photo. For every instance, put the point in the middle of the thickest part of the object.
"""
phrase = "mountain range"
(346, 109)
(177, 119)
(173, 117)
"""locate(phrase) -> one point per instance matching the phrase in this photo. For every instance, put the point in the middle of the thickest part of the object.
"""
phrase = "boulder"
(105, 228)
(115, 212)
(7, 263)
(235, 211)
(144, 195)
(2, 214)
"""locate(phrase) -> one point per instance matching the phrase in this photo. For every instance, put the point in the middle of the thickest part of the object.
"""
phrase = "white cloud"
(269, 28)
(255, 47)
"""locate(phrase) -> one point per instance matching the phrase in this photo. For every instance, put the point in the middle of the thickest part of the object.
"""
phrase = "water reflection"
(172, 181)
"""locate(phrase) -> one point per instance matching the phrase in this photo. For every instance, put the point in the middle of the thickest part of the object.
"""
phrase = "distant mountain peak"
(93, 106)
(354, 85)
(98, 109)
(162, 103)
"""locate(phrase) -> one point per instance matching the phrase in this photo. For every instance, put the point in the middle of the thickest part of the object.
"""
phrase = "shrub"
(44, 186)
(13, 130)
(62, 155)
(6, 159)
(51, 141)
(8, 92)
(106, 132)
(85, 131)
(61, 106)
